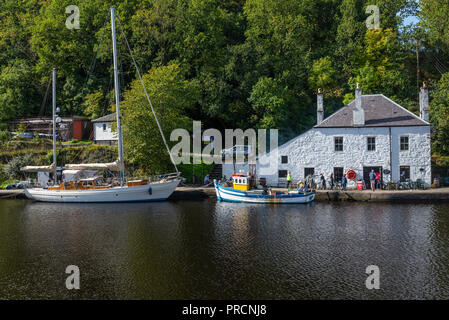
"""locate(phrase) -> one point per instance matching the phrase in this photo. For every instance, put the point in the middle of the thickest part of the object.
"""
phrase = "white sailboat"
(95, 189)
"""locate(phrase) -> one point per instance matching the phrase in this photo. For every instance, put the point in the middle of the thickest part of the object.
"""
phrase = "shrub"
(4, 136)
(12, 168)
(21, 128)
(83, 154)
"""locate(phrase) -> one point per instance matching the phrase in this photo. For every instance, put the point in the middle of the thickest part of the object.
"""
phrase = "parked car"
(47, 135)
(10, 187)
(237, 150)
(27, 135)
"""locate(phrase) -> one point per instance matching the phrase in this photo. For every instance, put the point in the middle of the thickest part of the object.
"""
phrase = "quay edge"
(193, 193)
(440, 194)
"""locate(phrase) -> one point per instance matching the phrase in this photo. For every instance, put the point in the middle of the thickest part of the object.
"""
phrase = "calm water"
(210, 250)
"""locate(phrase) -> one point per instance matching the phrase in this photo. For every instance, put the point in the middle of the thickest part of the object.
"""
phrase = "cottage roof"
(106, 118)
(380, 111)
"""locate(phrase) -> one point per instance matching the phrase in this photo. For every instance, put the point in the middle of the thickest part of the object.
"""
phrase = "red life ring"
(351, 174)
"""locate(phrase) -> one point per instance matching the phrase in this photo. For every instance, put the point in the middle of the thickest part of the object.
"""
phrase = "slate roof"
(106, 118)
(380, 111)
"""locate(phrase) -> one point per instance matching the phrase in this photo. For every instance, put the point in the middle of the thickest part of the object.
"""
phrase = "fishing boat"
(241, 191)
(96, 189)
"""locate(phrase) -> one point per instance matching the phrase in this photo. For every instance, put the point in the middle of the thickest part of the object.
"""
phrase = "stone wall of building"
(315, 149)
(104, 135)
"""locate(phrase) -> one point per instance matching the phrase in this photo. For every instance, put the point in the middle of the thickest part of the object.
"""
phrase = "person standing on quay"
(289, 180)
(323, 182)
(377, 180)
(344, 182)
(372, 179)
(331, 181)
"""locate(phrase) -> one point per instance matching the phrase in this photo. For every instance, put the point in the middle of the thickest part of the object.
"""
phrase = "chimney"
(420, 102)
(319, 107)
(358, 114)
(425, 103)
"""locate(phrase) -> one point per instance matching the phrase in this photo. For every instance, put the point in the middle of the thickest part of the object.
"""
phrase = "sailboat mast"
(117, 96)
(54, 118)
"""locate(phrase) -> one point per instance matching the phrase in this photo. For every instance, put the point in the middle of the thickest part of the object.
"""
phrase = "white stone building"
(103, 132)
(371, 132)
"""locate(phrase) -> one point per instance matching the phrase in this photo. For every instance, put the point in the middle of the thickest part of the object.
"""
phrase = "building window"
(104, 126)
(404, 143)
(284, 159)
(404, 173)
(338, 173)
(309, 172)
(371, 143)
(338, 143)
(282, 173)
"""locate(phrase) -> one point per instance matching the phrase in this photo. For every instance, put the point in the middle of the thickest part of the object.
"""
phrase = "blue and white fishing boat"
(240, 192)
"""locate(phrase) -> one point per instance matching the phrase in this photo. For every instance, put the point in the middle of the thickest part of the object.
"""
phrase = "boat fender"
(150, 191)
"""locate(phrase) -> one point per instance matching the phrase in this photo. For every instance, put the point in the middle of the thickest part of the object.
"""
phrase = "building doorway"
(404, 173)
(338, 173)
(367, 170)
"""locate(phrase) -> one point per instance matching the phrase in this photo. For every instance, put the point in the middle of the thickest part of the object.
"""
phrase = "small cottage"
(103, 130)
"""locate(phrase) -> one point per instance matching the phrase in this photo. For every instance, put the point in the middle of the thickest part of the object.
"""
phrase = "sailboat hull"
(150, 192)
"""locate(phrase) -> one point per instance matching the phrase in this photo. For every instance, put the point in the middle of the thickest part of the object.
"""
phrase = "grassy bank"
(39, 152)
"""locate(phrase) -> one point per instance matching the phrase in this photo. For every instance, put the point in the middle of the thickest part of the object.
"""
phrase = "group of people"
(332, 182)
(374, 179)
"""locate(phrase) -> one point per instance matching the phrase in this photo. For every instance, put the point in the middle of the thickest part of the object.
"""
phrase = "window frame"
(309, 169)
(370, 145)
(282, 159)
(282, 176)
(338, 144)
(105, 126)
(404, 143)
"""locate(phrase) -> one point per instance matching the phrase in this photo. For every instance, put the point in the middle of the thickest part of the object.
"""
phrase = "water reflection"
(220, 250)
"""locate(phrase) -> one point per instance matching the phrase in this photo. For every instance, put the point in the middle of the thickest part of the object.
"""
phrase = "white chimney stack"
(424, 105)
(358, 114)
(420, 102)
(319, 107)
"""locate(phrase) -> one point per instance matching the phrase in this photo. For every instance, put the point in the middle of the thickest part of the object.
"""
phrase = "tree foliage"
(12, 168)
(171, 96)
(253, 63)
